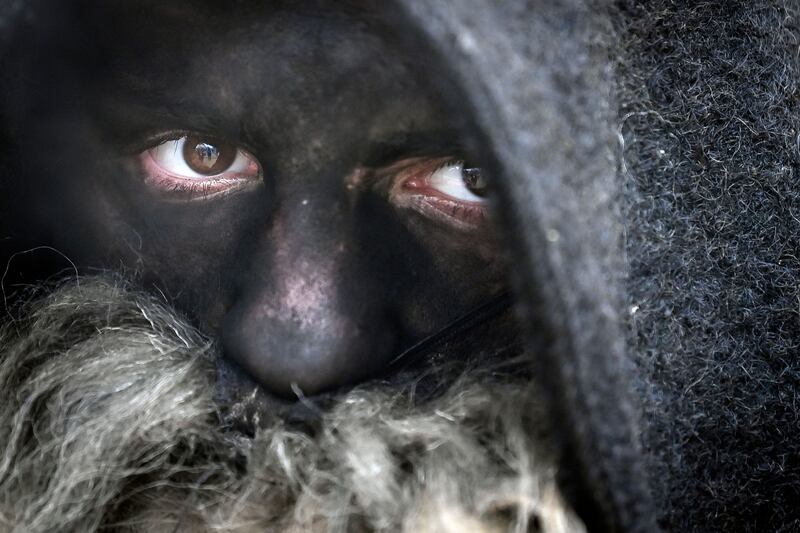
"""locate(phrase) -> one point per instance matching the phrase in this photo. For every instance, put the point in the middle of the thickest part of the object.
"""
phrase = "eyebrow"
(140, 115)
(388, 149)
(149, 104)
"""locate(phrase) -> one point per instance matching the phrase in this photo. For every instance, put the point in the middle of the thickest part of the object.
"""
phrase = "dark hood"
(545, 116)
(649, 157)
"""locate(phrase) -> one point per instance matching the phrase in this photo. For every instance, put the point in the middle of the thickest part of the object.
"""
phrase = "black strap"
(488, 310)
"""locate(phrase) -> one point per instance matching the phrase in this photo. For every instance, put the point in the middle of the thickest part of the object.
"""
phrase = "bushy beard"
(108, 421)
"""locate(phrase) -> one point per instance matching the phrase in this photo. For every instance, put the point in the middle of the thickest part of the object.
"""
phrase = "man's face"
(286, 175)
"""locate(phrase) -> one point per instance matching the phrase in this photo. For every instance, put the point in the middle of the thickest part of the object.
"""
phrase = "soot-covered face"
(285, 174)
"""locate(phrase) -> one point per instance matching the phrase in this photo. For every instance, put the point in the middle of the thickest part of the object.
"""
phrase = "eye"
(459, 183)
(444, 190)
(196, 166)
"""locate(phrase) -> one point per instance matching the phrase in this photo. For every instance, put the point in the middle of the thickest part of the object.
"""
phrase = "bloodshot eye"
(444, 190)
(198, 167)
(459, 182)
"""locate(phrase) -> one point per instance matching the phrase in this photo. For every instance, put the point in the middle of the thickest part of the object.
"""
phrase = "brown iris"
(208, 156)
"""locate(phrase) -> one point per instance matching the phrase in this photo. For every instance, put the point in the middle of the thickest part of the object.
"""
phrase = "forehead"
(292, 67)
(265, 47)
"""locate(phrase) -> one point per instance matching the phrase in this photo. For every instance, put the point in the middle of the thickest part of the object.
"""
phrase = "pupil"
(473, 179)
(208, 156)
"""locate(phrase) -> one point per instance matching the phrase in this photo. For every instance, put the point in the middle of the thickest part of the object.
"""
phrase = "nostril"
(314, 354)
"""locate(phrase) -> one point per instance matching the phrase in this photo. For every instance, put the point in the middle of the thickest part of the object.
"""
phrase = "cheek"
(192, 253)
(450, 287)
(200, 254)
(451, 272)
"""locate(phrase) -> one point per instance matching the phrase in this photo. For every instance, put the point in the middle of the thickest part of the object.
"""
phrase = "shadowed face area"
(285, 174)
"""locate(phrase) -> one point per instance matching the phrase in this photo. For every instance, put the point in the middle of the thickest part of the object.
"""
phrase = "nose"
(310, 316)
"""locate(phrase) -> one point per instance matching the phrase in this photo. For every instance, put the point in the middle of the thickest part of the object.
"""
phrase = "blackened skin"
(310, 278)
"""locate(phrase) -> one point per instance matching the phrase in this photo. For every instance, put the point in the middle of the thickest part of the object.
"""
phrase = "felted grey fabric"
(708, 108)
(704, 103)
(546, 126)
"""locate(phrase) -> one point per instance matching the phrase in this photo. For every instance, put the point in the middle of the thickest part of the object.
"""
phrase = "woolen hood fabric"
(648, 158)
(545, 124)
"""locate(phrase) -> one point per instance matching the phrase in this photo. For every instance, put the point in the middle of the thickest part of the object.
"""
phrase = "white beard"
(107, 420)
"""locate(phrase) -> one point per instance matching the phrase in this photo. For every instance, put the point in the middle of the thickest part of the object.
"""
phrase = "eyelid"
(146, 141)
(415, 145)
(153, 137)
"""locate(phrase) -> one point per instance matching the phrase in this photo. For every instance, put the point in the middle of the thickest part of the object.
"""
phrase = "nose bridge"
(306, 259)
(308, 253)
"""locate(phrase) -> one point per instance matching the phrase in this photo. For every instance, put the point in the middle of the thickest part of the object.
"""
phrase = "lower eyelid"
(456, 214)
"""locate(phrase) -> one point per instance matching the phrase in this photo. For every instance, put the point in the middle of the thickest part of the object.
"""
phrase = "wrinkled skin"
(317, 271)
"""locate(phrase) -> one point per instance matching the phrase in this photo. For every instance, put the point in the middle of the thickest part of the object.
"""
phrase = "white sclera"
(450, 180)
